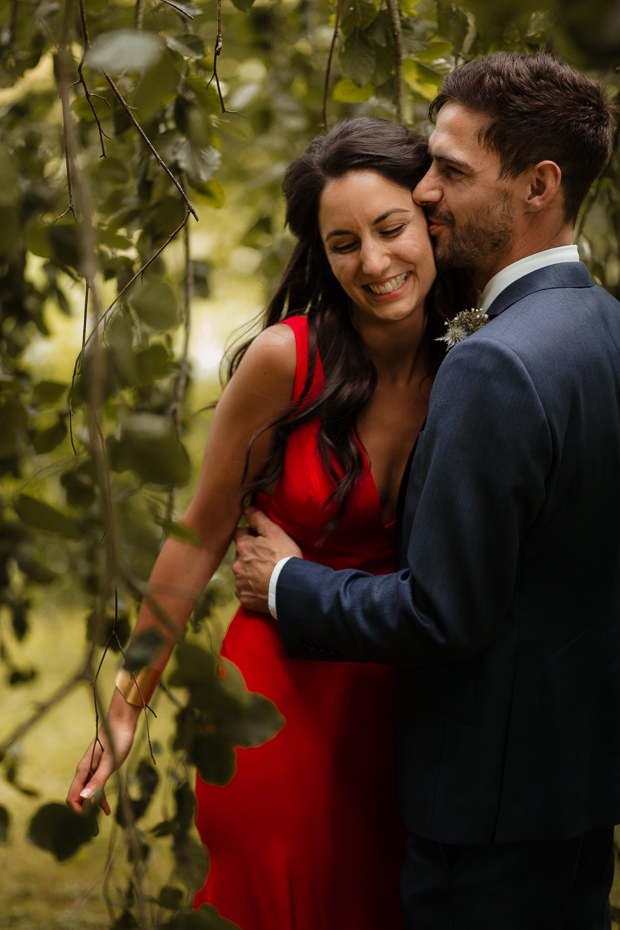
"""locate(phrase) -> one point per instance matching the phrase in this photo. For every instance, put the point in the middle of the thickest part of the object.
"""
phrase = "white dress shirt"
(497, 284)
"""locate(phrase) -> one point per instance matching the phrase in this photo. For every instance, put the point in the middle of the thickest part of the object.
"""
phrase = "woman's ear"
(544, 181)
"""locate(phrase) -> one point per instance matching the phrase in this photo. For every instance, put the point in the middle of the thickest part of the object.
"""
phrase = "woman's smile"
(389, 286)
(377, 243)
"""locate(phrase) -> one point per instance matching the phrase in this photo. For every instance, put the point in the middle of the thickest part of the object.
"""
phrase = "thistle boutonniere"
(463, 325)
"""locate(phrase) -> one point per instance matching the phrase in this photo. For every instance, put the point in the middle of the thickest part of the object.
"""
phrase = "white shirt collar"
(512, 273)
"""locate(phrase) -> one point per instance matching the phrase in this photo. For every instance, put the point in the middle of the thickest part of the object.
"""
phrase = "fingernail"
(87, 793)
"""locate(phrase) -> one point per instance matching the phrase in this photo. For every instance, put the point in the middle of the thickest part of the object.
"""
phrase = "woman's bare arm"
(260, 391)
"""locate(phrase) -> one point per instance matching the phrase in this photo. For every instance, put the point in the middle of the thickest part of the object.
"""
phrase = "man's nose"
(428, 190)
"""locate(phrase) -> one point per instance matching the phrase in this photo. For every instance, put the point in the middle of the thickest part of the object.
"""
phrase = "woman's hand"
(98, 762)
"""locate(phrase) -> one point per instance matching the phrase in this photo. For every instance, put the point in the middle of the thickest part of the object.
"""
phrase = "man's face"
(471, 212)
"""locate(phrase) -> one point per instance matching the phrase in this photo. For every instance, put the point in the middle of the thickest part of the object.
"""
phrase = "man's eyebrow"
(445, 160)
(384, 216)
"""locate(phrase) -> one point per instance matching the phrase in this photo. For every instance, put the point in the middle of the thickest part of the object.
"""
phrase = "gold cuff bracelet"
(138, 689)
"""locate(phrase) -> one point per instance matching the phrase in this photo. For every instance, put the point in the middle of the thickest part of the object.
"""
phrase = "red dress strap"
(299, 325)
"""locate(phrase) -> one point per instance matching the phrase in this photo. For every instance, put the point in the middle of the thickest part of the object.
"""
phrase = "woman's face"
(377, 243)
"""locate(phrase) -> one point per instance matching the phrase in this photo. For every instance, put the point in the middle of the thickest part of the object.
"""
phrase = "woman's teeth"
(390, 285)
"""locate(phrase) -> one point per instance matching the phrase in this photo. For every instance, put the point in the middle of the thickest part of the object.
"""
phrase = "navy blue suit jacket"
(504, 619)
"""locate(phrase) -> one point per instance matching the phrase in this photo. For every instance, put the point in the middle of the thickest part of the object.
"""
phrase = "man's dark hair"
(539, 109)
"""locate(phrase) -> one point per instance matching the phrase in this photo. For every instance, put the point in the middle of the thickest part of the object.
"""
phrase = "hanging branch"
(83, 674)
(175, 408)
(178, 9)
(398, 55)
(329, 65)
(219, 44)
(139, 14)
(150, 145)
(82, 80)
(593, 195)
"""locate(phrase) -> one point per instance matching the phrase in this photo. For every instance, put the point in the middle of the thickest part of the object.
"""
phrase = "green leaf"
(421, 79)
(347, 92)
(210, 194)
(64, 238)
(99, 630)
(47, 392)
(357, 58)
(434, 50)
(357, 15)
(179, 531)
(37, 240)
(214, 757)
(79, 485)
(192, 862)
(143, 649)
(149, 446)
(156, 88)
(10, 191)
(156, 304)
(61, 831)
(189, 45)
(243, 5)
(152, 363)
(200, 163)
(124, 50)
(260, 722)
(44, 440)
(194, 665)
(205, 95)
(170, 897)
(40, 516)
(5, 822)
(10, 229)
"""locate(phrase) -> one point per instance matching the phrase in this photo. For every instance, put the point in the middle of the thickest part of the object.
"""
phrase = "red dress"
(306, 835)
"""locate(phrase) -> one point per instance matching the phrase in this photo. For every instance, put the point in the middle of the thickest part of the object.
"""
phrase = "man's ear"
(543, 183)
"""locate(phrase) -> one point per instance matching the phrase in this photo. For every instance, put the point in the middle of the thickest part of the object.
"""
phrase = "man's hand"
(257, 556)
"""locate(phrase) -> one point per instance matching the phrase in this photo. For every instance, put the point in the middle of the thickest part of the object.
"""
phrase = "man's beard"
(487, 234)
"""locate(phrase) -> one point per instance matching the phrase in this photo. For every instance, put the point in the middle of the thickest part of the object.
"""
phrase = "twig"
(175, 408)
(66, 117)
(82, 80)
(398, 54)
(177, 8)
(593, 197)
(83, 674)
(104, 315)
(150, 145)
(219, 44)
(139, 15)
(329, 65)
(12, 28)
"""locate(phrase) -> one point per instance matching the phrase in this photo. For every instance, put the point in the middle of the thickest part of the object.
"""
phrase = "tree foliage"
(121, 125)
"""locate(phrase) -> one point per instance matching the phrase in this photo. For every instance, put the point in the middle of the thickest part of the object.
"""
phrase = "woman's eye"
(393, 231)
(344, 247)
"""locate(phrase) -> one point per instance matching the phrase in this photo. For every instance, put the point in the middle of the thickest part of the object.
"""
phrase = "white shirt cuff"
(272, 585)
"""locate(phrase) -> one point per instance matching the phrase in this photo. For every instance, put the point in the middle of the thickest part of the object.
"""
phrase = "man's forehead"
(457, 134)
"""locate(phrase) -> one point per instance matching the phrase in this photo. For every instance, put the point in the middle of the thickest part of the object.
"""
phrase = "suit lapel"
(565, 274)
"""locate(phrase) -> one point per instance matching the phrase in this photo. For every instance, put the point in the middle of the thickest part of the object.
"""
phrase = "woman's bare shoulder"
(271, 359)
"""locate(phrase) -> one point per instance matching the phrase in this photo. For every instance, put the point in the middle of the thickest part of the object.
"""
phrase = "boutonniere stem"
(461, 326)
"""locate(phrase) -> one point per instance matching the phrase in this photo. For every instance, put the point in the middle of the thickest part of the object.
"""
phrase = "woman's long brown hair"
(309, 287)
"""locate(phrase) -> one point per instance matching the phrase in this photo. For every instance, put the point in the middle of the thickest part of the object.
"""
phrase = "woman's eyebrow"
(384, 216)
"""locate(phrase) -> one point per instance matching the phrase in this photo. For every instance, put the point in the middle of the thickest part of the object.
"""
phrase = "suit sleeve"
(478, 477)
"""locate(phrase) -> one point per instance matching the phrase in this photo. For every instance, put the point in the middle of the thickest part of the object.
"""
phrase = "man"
(505, 617)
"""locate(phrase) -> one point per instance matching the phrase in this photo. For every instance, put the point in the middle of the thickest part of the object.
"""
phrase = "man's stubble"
(478, 240)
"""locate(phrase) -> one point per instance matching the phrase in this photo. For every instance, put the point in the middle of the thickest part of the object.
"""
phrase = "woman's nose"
(375, 258)
(428, 189)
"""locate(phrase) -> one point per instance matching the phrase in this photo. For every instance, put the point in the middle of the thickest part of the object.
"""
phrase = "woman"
(317, 422)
